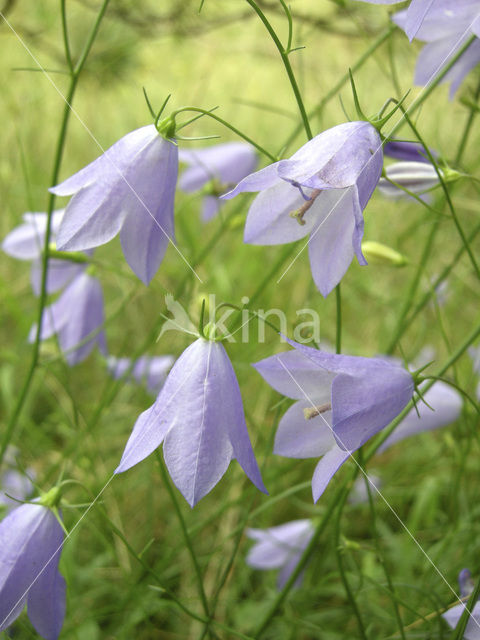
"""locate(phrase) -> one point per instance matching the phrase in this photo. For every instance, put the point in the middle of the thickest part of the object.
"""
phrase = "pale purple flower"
(27, 242)
(446, 403)
(280, 547)
(76, 317)
(453, 615)
(445, 27)
(199, 417)
(408, 151)
(30, 546)
(129, 189)
(416, 177)
(322, 191)
(13, 482)
(342, 401)
(216, 169)
(151, 371)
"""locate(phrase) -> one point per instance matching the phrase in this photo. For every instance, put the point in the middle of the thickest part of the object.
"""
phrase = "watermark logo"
(243, 324)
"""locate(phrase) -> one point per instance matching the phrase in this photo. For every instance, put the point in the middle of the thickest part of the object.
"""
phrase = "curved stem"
(284, 53)
(74, 76)
(229, 126)
(338, 335)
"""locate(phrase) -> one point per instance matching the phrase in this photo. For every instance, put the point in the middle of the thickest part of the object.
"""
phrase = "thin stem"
(343, 575)
(188, 542)
(468, 127)
(284, 53)
(338, 338)
(343, 80)
(378, 548)
(51, 201)
(66, 41)
(229, 126)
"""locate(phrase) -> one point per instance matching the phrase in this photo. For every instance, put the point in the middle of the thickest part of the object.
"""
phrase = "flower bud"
(416, 177)
(377, 253)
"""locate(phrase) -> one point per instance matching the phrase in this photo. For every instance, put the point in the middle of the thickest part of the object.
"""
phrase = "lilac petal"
(26, 241)
(111, 162)
(298, 437)
(447, 405)
(210, 207)
(472, 631)
(96, 212)
(408, 151)
(46, 598)
(416, 13)
(258, 181)
(59, 274)
(435, 55)
(84, 297)
(153, 371)
(228, 163)
(326, 468)
(367, 393)
(276, 545)
(149, 225)
(330, 246)
(443, 20)
(296, 376)
(25, 549)
(287, 570)
(200, 415)
(148, 434)
(269, 221)
(363, 405)
(333, 159)
(197, 450)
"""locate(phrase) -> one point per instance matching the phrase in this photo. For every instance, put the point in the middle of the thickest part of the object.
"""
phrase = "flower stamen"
(301, 211)
(313, 412)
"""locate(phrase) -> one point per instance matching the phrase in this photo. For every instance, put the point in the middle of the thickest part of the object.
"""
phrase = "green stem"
(378, 548)
(431, 86)
(343, 574)
(228, 126)
(338, 496)
(468, 127)
(343, 80)
(188, 542)
(284, 53)
(74, 77)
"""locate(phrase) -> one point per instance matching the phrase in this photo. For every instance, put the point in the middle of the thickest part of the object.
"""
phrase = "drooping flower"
(408, 151)
(280, 547)
(446, 404)
(149, 371)
(30, 546)
(199, 417)
(453, 615)
(416, 177)
(27, 242)
(76, 317)
(322, 191)
(445, 27)
(415, 14)
(342, 401)
(216, 169)
(129, 189)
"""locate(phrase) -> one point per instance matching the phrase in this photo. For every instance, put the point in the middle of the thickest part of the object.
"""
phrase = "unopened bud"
(416, 177)
(377, 253)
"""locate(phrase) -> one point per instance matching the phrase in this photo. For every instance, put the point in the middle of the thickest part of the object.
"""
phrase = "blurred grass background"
(224, 57)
